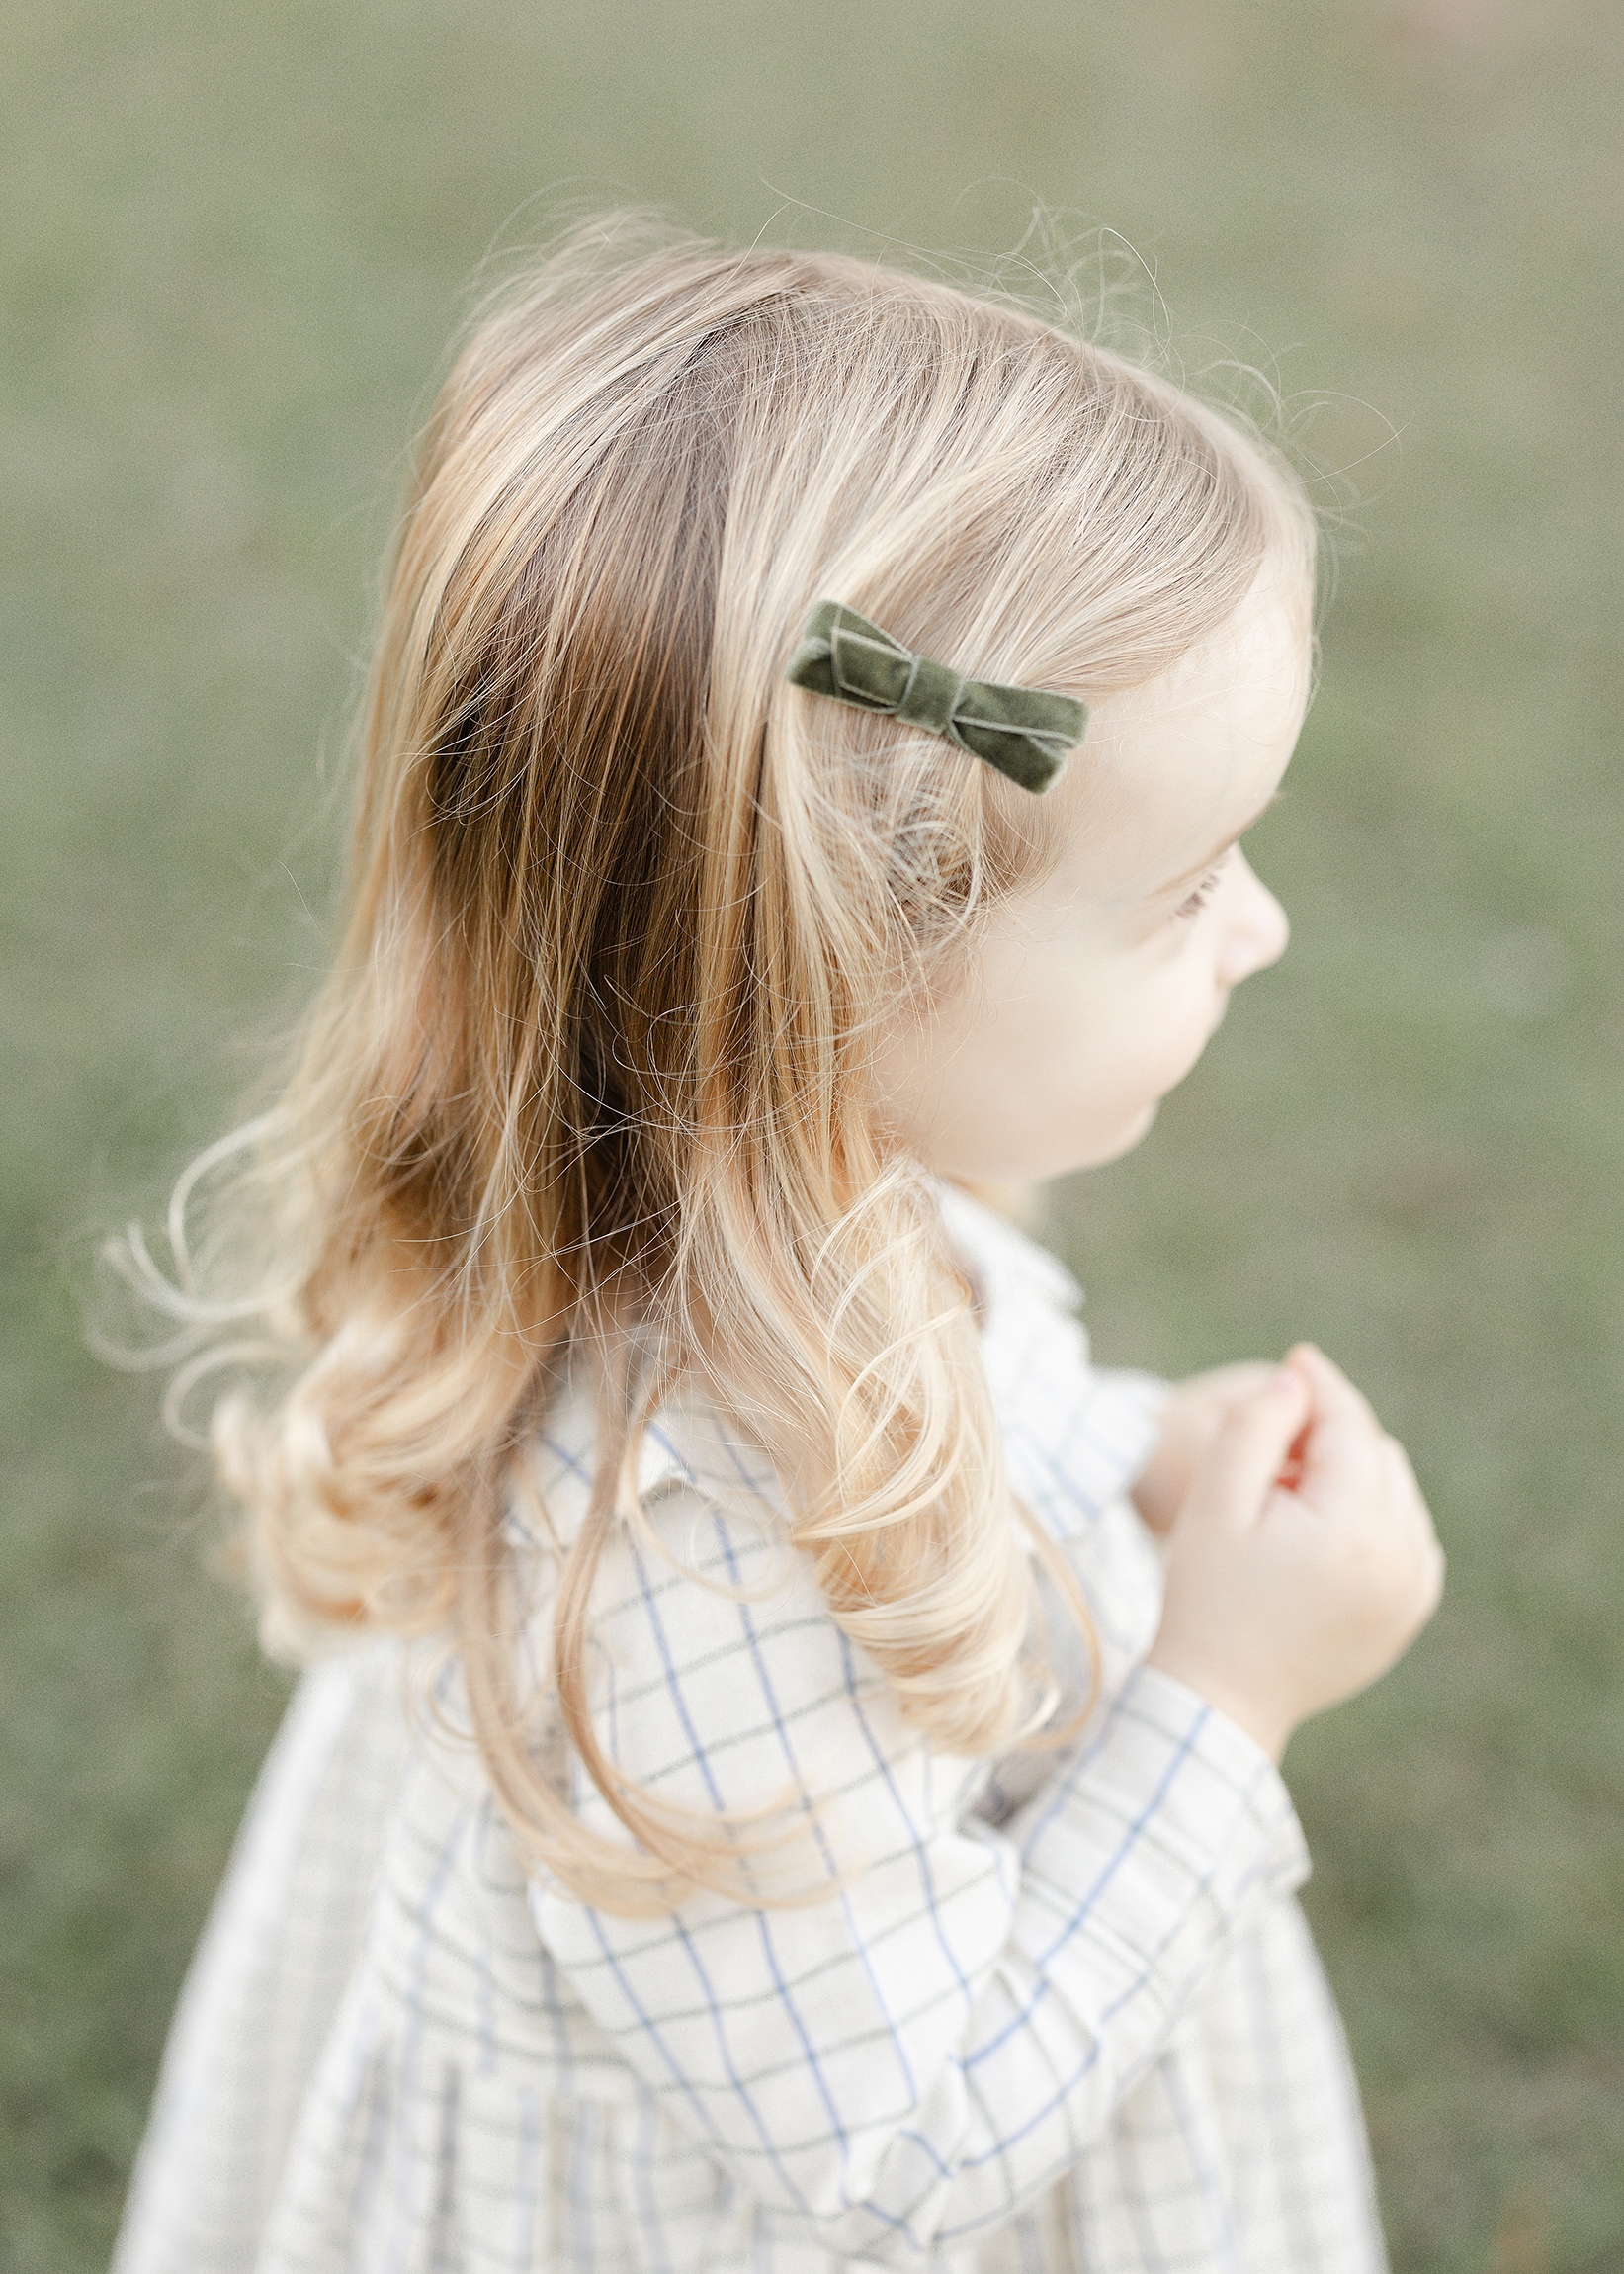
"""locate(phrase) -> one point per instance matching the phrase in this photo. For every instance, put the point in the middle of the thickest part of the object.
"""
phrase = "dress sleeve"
(907, 2057)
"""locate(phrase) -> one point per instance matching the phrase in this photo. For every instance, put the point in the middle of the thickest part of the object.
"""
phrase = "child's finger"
(1342, 1445)
(1334, 1392)
(1248, 1451)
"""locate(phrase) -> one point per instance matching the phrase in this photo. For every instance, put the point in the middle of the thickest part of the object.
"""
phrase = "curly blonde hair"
(623, 911)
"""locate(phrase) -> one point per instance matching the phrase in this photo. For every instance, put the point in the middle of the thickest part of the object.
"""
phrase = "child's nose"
(1257, 931)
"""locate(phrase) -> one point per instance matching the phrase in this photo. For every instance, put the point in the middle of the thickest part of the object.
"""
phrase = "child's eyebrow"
(1193, 875)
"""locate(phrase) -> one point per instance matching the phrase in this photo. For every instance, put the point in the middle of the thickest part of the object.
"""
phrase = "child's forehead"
(1252, 672)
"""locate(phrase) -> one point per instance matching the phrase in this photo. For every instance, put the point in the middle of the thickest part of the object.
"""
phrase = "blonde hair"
(623, 911)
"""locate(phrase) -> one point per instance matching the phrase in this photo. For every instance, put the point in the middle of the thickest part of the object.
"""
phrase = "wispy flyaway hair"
(624, 910)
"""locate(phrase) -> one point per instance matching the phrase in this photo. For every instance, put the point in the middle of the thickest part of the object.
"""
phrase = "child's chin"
(1039, 1165)
(1097, 1152)
(1133, 1133)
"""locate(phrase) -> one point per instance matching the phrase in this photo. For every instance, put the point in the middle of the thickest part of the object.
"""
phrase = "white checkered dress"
(1058, 2013)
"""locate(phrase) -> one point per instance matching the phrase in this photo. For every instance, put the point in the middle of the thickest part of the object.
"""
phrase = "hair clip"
(1024, 732)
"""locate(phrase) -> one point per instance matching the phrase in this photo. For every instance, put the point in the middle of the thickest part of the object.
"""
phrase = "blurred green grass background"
(235, 241)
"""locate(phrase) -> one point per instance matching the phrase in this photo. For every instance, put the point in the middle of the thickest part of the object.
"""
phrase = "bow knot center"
(930, 697)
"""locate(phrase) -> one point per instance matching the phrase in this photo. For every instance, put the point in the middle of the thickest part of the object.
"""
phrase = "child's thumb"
(1249, 1453)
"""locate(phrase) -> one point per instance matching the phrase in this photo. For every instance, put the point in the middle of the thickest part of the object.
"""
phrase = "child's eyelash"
(1201, 895)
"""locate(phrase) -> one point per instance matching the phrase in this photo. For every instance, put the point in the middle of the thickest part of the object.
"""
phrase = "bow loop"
(1024, 732)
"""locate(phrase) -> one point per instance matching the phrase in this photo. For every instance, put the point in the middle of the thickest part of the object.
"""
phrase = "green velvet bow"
(1022, 731)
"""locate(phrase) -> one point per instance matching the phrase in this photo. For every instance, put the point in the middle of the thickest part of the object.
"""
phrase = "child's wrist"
(1267, 1725)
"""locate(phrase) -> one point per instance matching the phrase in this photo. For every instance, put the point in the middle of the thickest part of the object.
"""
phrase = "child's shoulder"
(701, 1472)
(691, 1460)
(714, 1663)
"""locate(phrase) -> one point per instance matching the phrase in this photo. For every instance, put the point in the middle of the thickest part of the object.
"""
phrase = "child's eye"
(1202, 893)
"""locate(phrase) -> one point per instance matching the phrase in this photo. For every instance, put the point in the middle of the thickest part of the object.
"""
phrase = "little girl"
(766, 1799)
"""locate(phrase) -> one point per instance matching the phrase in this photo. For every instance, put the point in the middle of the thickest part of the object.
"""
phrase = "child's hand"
(1190, 1422)
(1284, 1598)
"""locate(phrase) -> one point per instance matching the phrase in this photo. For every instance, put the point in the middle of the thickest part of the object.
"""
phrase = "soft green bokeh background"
(234, 242)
